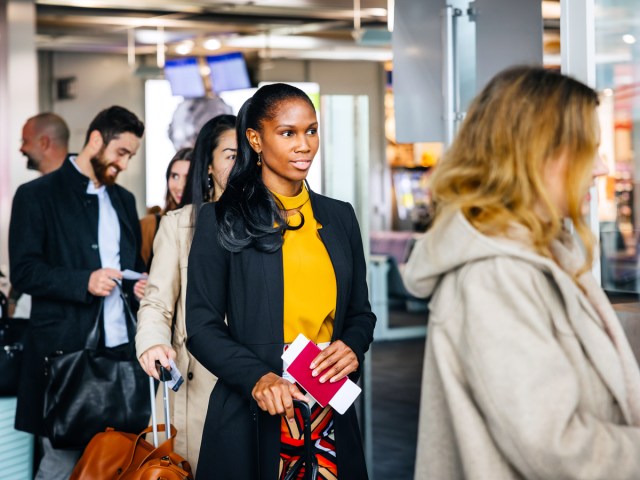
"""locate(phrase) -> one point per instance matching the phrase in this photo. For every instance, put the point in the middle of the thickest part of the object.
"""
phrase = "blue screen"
(184, 77)
(228, 72)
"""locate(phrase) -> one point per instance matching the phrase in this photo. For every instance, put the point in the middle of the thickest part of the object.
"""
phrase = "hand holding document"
(297, 359)
(131, 275)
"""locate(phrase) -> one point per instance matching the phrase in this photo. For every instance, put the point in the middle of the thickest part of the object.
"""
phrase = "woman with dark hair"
(161, 331)
(287, 261)
(176, 176)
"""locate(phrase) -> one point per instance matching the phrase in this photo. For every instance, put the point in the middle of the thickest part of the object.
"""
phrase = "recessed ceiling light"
(212, 44)
(184, 48)
(628, 38)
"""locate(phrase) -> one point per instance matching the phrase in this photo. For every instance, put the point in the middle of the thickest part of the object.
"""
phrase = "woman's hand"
(138, 288)
(162, 353)
(275, 395)
(334, 362)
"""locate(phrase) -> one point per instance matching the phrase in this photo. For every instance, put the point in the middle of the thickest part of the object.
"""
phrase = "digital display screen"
(228, 72)
(184, 77)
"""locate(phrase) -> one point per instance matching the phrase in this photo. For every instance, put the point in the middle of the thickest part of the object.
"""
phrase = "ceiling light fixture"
(629, 39)
(131, 48)
(160, 48)
(185, 48)
(357, 21)
(550, 10)
(212, 44)
(391, 5)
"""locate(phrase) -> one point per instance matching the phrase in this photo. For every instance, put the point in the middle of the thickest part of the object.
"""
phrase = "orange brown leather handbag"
(114, 455)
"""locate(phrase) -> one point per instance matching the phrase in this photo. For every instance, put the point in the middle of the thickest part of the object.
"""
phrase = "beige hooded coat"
(525, 376)
(164, 300)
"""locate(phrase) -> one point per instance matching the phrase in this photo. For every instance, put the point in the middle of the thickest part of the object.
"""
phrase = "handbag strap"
(94, 335)
(4, 306)
(164, 449)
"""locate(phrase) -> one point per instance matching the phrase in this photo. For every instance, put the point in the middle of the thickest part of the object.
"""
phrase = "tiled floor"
(396, 375)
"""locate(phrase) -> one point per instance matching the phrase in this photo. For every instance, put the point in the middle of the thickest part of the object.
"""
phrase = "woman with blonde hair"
(527, 371)
(161, 334)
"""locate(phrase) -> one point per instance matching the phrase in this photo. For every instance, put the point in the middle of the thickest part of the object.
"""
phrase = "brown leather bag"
(125, 456)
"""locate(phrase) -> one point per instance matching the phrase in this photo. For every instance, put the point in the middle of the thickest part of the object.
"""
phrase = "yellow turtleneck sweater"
(310, 290)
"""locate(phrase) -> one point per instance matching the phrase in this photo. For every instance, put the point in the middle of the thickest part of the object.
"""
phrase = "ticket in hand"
(176, 377)
(131, 275)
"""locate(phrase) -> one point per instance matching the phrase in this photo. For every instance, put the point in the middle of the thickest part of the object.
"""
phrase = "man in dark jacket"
(72, 234)
(45, 143)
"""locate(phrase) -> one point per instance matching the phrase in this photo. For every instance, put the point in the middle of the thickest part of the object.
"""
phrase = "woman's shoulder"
(330, 206)
(180, 212)
(181, 216)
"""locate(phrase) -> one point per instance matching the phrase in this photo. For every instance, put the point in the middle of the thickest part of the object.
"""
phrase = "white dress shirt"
(115, 324)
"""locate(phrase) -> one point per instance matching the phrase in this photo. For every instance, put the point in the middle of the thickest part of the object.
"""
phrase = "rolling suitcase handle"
(310, 460)
(165, 376)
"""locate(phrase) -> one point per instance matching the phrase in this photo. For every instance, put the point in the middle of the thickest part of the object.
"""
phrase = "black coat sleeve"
(31, 272)
(208, 336)
(359, 321)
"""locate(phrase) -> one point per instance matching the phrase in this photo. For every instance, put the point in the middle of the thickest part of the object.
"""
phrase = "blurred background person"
(45, 142)
(271, 260)
(161, 331)
(527, 371)
(176, 177)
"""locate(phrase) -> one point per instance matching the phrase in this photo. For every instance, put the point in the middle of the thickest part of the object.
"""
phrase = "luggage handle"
(310, 462)
(164, 375)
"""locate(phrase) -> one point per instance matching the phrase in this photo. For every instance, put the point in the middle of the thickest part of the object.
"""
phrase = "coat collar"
(321, 210)
(593, 336)
(334, 241)
(75, 179)
(586, 322)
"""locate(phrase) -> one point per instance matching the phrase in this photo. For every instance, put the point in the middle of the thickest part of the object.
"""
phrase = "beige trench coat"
(521, 378)
(165, 298)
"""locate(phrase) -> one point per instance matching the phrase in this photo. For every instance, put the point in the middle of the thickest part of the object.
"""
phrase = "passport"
(297, 358)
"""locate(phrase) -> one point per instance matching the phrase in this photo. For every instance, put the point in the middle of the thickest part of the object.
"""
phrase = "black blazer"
(53, 248)
(247, 287)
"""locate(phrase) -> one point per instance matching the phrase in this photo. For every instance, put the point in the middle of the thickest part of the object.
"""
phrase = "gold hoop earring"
(259, 162)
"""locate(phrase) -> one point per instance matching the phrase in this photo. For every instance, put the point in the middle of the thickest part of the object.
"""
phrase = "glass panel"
(617, 74)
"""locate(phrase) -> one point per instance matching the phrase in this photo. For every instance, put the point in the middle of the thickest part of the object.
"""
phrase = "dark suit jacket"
(53, 248)
(247, 287)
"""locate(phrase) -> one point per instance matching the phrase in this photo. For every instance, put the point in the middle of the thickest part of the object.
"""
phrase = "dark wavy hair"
(183, 154)
(247, 212)
(200, 186)
(113, 121)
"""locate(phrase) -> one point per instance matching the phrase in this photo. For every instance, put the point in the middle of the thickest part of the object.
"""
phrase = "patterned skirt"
(324, 444)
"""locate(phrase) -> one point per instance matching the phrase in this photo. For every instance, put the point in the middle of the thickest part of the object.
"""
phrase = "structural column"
(578, 51)
(18, 101)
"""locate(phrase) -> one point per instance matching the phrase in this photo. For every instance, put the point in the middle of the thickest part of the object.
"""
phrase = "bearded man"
(72, 233)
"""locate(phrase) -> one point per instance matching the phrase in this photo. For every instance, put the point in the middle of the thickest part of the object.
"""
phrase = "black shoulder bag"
(13, 332)
(95, 388)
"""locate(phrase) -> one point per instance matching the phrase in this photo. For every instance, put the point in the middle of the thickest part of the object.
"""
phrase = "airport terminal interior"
(390, 80)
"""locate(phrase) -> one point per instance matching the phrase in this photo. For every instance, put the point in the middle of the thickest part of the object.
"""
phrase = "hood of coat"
(453, 242)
